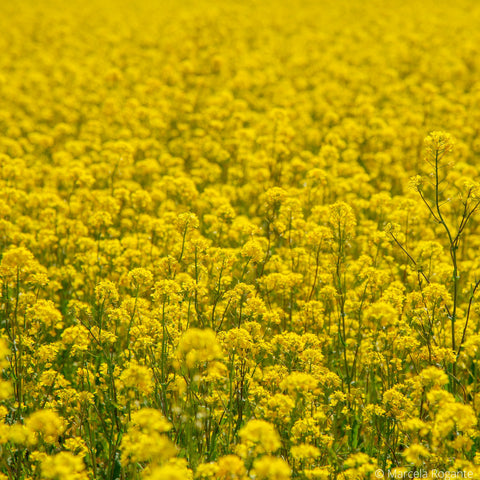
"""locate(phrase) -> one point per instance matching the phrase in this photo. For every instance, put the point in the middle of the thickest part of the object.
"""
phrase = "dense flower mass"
(238, 240)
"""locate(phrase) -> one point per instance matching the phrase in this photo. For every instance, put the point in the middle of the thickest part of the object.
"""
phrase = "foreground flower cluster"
(239, 239)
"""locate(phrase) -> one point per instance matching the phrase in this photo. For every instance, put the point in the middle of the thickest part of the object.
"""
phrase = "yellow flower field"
(239, 240)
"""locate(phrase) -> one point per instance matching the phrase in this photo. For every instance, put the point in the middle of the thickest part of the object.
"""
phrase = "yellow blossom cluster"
(239, 240)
